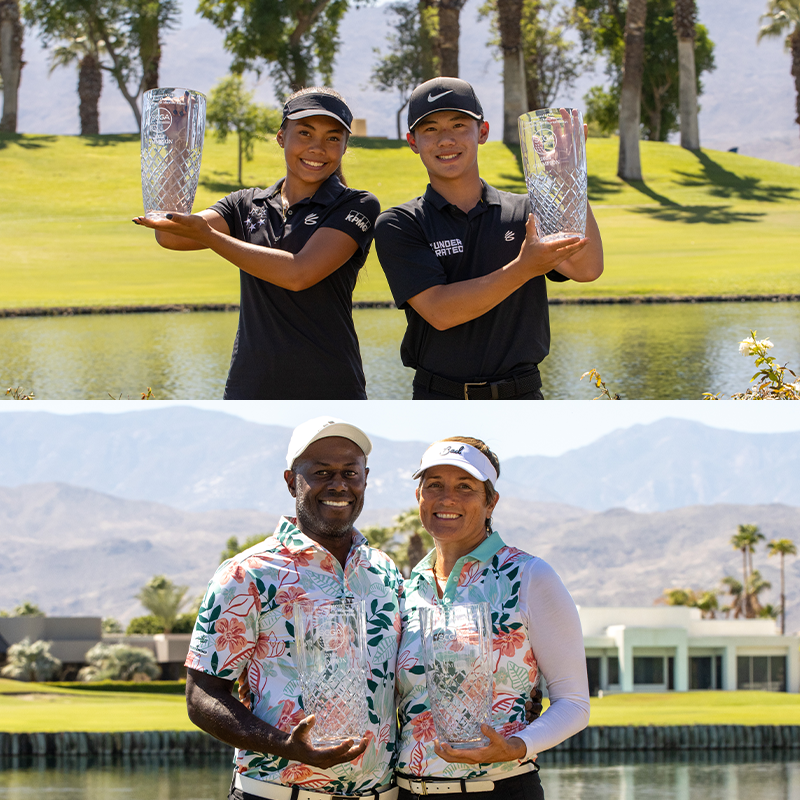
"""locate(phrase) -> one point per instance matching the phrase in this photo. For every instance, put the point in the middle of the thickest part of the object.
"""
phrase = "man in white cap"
(244, 632)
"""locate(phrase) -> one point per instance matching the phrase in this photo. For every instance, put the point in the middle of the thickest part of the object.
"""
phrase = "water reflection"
(687, 775)
(673, 351)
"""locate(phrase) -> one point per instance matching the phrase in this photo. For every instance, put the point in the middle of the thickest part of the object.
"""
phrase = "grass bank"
(34, 708)
(706, 223)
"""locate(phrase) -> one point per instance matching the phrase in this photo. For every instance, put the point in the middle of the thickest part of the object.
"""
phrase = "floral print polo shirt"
(491, 573)
(245, 629)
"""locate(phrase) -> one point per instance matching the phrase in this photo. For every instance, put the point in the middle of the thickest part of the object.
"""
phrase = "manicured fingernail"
(169, 216)
(136, 222)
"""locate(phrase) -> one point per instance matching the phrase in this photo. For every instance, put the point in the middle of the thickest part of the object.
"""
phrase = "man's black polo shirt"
(429, 242)
(298, 345)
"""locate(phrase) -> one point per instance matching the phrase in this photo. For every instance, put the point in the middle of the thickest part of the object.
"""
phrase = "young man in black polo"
(465, 263)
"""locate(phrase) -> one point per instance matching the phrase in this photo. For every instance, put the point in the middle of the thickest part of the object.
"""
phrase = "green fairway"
(36, 707)
(700, 223)
(697, 708)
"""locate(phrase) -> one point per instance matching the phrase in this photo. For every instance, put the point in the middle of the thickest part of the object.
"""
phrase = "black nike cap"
(442, 94)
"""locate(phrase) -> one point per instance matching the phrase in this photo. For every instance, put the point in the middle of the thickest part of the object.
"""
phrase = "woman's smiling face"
(313, 147)
(453, 506)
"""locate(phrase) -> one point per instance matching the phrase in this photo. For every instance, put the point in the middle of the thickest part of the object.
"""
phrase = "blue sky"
(512, 429)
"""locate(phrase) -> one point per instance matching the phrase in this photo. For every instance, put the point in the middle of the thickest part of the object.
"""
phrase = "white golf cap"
(321, 428)
(458, 454)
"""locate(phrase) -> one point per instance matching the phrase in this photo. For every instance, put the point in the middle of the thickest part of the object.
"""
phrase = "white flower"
(766, 344)
(746, 348)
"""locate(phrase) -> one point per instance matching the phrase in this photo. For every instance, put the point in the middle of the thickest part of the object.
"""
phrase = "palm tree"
(782, 16)
(755, 585)
(684, 21)
(745, 539)
(163, 599)
(782, 548)
(629, 166)
(515, 100)
(11, 33)
(735, 589)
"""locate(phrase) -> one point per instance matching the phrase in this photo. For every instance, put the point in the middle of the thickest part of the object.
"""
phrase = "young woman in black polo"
(299, 246)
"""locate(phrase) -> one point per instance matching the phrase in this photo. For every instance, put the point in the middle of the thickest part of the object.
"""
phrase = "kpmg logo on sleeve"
(359, 220)
(447, 247)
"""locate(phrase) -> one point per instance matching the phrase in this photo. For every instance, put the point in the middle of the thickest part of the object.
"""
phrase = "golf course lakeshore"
(702, 224)
(116, 717)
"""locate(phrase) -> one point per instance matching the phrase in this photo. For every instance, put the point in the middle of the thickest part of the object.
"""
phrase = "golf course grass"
(36, 707)
(700, 223)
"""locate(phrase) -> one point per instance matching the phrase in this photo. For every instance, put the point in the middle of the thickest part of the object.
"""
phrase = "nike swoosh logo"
(433, 98)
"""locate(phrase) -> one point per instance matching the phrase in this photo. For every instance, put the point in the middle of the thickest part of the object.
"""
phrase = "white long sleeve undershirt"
(557, 641)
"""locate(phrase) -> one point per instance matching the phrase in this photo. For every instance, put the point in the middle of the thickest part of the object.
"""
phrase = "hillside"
(708, 223)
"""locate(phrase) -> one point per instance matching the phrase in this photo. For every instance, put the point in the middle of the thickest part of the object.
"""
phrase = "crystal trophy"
(173, 125)
(332, 662)
(554, 158)
(457, 648)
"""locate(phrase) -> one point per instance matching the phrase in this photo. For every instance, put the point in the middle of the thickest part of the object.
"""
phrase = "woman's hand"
(499, 749)
(190, 226)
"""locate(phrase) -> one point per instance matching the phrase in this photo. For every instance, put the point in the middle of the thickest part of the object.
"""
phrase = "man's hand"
(538, 257)
(533, 707)
(498, 749)
(302, 750)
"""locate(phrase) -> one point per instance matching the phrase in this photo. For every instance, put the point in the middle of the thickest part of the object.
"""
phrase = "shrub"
(31, 661)
(119, 662)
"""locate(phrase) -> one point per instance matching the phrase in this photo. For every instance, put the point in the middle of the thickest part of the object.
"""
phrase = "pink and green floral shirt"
(489, 573)
(245, 628)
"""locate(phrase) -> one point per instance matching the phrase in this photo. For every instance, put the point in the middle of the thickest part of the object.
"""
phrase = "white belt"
(278, 791)
(424, 786)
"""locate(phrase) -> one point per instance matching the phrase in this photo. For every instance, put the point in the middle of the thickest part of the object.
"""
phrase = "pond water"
(657, 352)
(598, 776)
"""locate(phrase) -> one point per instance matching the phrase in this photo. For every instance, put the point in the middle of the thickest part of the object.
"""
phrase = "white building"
(667, 648)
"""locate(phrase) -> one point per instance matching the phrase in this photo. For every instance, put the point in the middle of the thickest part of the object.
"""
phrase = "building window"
(648, 669)
(613, 670)
(700, 676)
(593, 673)
(763, 673)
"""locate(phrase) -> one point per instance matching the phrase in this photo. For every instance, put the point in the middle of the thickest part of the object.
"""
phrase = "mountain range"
(748, 101)
(200, 460)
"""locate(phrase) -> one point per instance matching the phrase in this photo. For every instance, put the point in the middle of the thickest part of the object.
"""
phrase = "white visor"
(458, 454)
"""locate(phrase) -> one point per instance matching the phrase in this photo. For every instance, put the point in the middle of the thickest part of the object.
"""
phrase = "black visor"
(316, 104)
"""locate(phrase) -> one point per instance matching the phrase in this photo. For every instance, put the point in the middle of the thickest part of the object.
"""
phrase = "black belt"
(480, 390)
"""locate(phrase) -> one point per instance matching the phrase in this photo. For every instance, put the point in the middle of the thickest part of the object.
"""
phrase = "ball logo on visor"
(456, 450)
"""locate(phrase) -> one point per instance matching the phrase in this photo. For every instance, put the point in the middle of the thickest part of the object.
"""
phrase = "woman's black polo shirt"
(429, 242)
(298, 345)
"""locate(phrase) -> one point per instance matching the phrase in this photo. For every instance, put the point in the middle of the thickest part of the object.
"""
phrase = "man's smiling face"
(328, 482)
(447, 142)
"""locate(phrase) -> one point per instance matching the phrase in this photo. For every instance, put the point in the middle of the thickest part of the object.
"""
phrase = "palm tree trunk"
(794, 43)
(515, 100)
(11, 63)
(449, 32)
(783, 602)
(684, 19)
(150, 48)
(429, 39)
(629, 166)
(90, 84)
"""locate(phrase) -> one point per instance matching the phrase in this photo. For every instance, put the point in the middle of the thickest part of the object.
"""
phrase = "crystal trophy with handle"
(332, 663)
(173, 126)
(554, 158)
(457, 648)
